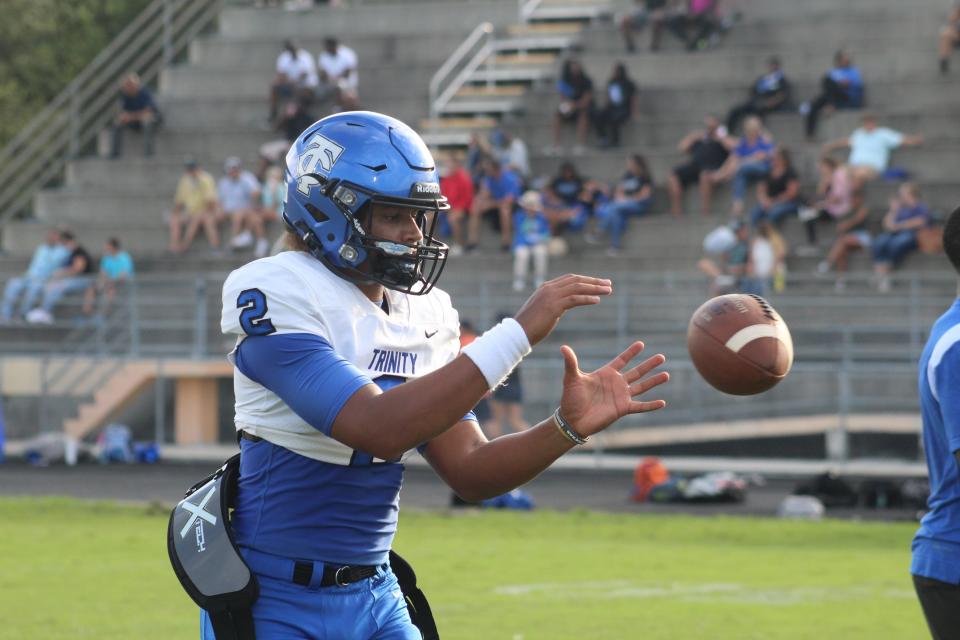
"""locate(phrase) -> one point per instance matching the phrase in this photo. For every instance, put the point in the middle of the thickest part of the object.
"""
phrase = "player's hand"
(593, 401)
(540, 313)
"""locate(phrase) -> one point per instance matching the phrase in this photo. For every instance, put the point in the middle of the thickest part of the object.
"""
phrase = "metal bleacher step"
(511, 75)
(481, 122)
(540, 28)
(527, 59)
(490, 91)
(498, 106)
(536, 43)
(567, 10)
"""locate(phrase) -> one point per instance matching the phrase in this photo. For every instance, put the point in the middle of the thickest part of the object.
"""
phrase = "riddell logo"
(426, 187)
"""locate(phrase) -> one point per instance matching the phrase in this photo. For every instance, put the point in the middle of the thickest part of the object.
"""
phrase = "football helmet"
(337, 170)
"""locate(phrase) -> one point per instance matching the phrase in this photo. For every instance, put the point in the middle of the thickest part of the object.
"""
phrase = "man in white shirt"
(338, 70)
(870, 146)
(296, 77)
(239, 193)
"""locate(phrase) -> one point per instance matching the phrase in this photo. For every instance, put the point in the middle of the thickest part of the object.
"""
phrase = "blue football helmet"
(337, 170)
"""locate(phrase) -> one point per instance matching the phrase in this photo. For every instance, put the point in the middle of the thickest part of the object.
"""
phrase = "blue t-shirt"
(905, 213)
(745, 148)
(117, 266)
(529, 230)
(936, 546)
(506, 184)
(138, 101)
(297, 507)
(852, 76)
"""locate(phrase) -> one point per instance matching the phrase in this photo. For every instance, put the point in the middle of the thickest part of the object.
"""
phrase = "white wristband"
(498, 351)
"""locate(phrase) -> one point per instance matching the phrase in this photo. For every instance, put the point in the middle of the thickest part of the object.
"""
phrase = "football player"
(347, 359)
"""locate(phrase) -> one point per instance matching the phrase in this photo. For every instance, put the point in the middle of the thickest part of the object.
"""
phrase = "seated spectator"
(749, 161)
(531, 234)
(841, 88)
(870, 146)
(906, 216)
(47, 258)
(692, 21)
(767, 267)
(511, 151)
(769, 93)
(569, 199)
(498, 193)
(835, 200)
(853, 234)
(239, 194)
(728, 266)
(195, 205)
(707, 153)
(338, 70)
(620, 106)
(949, 38)
(778, 194)
(478, 148)
(272, 196)
(631, 197)
(116, 267)
(576, 104)
(295, 117)
(138, 111)
(74, 275)
(296, 79)
(636, 19)
(457, 185)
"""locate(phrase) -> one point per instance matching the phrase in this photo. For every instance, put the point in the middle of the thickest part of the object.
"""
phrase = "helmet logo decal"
(320, 153)
(307, 182)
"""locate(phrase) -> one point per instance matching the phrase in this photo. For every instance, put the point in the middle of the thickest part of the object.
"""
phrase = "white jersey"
(300, 295)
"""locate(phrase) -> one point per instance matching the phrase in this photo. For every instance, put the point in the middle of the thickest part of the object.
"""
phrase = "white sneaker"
(262, 248)
(455, 250)
(804, 108)
(518, 285)
(242, 240)
(39, 316)
(823, 267)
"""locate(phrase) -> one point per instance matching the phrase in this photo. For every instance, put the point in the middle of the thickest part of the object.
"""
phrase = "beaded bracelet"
(567, 430)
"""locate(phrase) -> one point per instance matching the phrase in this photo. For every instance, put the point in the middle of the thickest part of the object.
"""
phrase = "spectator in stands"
(841, 88)
(770, 92)
(138, 111)
(694, 22)
(636, 19)
(506, 403)
(767, 267)
(531, 233)
(498, 193)
(116, 267)
(576, 104)
(949, 38)
(511, 150)
(631, 197)
(906, 216)
(295, 117)
(707, 153)
(778, 194)
(478, 148)
(74, 275)
(338, 70)
(272, 196)
(621, 105)
(835, 201)
(853, 234)
(569, 199)
(296, 79)
(47, 258)
(457, 185)
(749, 161)
(239, 194)
(870, 146)
(727, 267)
(195, 205)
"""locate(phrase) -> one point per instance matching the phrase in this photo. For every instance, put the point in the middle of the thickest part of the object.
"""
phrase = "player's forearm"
(508, 462)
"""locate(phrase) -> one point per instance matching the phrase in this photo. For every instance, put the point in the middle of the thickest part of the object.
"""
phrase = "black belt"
(339, 576)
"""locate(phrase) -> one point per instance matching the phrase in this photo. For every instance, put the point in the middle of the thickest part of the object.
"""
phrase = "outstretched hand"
(593, 401)
(542, 311)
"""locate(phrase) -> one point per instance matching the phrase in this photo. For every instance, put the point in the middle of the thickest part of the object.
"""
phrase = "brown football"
(739, 344)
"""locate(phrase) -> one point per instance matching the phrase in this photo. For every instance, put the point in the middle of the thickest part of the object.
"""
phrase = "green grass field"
(73, 569)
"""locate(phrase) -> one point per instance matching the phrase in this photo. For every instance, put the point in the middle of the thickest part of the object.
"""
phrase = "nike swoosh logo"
(429, 334)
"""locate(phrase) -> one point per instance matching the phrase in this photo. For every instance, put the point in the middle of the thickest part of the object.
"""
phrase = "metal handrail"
(483, 32)
(38, 155)
(525, 9)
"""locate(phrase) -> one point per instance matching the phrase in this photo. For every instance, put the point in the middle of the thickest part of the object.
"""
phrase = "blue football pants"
(371, 609)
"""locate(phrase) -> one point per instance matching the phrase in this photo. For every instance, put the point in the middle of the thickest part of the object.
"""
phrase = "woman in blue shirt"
(749, 161)
(906, 216)
(115, 266)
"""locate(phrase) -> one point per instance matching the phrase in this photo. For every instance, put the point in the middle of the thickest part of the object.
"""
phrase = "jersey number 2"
(254, 305)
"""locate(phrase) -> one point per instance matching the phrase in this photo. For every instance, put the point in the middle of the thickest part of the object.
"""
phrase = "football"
(739, 344)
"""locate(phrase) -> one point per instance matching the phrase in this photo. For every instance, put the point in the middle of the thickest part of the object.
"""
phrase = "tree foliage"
(44, 44)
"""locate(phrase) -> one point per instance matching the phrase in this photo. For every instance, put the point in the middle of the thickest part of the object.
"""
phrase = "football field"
(78, 569)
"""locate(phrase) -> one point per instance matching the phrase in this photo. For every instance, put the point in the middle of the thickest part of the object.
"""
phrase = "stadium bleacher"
(215, 101)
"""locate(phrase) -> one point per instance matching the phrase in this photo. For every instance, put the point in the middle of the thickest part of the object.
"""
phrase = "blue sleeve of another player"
(304, 371)
(947, 379)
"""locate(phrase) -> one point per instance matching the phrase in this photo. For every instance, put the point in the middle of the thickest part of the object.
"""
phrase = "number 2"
(252, 320)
